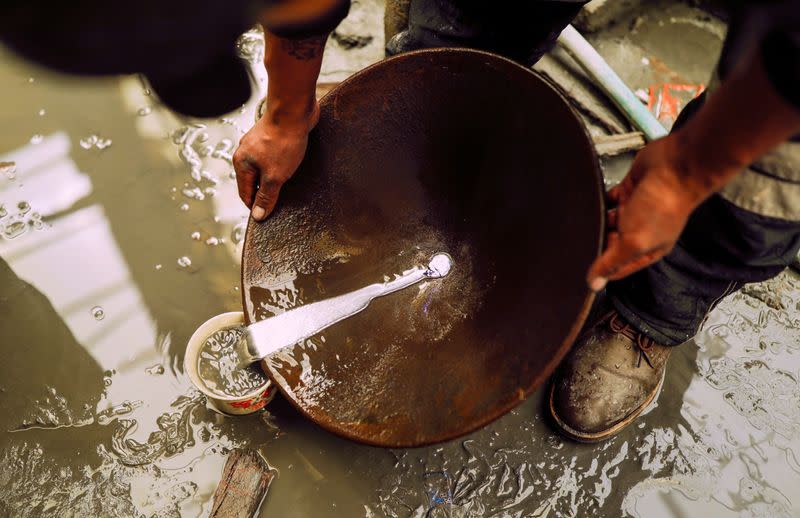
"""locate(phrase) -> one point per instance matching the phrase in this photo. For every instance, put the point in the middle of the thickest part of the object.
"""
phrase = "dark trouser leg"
(522, 31)
(395, 19)
(722, 248)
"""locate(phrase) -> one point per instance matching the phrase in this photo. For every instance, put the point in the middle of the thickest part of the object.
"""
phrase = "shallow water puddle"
(724, 439)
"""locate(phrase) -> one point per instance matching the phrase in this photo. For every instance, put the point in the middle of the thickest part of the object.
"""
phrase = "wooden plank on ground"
(563, 73)
(612, 145)
(245, 480)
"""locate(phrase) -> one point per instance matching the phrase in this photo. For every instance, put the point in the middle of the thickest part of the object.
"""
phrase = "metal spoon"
(287, 329)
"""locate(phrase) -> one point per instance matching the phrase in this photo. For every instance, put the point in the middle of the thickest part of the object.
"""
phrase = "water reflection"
(724, 439)
(90, 423)
(97, 418)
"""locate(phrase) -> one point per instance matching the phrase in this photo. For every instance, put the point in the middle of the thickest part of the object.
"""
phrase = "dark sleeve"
(322, 24)
(780, 52)
(771, 27)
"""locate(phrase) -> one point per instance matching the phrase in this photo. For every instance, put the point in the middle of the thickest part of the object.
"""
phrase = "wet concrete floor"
(121, 233)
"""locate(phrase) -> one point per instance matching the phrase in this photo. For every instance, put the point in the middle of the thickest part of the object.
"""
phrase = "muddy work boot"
(610, 376)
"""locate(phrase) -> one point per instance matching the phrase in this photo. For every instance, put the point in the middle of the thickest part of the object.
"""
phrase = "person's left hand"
(654, 202)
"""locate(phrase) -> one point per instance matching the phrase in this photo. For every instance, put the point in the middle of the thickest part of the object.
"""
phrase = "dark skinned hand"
(653, 204)
(268, 155)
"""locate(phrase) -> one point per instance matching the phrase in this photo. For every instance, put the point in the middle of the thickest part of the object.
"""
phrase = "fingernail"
(259, 213)
(598, 283)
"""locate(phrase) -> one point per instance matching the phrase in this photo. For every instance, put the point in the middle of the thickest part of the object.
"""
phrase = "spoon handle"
(297, 324)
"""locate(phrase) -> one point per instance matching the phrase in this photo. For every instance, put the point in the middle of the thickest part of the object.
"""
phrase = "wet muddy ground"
(121, 233)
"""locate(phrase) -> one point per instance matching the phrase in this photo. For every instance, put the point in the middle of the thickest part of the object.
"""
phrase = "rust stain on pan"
(437, 150)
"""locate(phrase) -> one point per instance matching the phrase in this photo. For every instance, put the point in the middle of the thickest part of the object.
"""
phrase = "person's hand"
(268, 155)
(653, 204)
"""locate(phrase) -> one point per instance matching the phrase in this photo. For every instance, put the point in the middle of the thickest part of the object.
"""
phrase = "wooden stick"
(580, 95)
(245, 480)
(611, 145)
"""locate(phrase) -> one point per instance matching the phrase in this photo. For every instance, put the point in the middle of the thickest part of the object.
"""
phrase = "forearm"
(742, 120)
(293, 67)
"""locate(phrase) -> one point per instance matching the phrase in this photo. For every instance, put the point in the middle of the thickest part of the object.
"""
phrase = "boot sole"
(593, 437)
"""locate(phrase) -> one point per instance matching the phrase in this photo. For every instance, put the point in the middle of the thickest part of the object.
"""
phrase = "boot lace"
(644, 343)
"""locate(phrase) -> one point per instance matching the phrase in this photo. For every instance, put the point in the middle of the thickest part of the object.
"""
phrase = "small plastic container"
(247, 404)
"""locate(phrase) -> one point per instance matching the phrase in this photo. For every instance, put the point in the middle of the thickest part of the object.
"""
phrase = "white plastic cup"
(241, 405)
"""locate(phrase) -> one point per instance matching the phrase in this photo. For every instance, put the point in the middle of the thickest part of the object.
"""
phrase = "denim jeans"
(519, 30)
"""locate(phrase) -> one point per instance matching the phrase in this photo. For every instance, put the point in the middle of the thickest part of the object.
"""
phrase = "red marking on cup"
(255, 403)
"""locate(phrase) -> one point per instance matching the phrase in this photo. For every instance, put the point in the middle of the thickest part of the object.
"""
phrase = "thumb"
(607, 264)
(619, 261)
(266, 198)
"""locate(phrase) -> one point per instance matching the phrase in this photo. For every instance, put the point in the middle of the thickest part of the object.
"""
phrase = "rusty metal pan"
(437, 150)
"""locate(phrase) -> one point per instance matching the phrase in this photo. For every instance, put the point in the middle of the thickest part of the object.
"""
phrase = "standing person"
(185, 48)
(712, 206)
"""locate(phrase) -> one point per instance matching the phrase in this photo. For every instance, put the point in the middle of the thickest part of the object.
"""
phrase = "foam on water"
(218, 365)
(95, 141)
(98, 313)
(126, 480)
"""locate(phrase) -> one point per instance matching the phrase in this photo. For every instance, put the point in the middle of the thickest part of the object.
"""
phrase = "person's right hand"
(268, 155)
